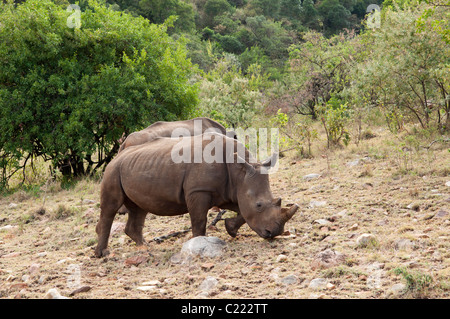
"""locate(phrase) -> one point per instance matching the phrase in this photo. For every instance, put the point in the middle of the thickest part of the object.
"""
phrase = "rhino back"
(151, 180)
(166, 129)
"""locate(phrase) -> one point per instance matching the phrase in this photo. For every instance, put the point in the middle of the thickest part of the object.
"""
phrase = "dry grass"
(398, 204)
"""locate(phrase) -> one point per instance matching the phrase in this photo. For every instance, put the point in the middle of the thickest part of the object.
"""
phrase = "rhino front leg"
(232, 225)
(198, 206)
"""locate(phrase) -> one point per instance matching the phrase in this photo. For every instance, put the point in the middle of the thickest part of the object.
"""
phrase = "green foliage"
(158, 11)
(228, 96)
(68, 95)
(335, 16)
(407, 73)
(296, 133)
(335, 116)
(417, 283)
(318, 67)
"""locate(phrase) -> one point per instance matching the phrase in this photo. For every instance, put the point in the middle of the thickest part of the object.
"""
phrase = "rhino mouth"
(267, 234)
(271, 233)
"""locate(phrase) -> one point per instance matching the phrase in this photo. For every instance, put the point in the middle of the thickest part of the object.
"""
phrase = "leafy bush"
(228, 96)
(417, 283)
(68, 94)
(335, 116)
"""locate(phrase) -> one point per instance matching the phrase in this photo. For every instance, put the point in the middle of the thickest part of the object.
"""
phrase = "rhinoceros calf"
(195, 126)
(145, 178)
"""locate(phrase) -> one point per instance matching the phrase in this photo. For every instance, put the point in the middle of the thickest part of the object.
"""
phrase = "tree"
(270, 36)
(290, 9)
(68, 95)
(268, 8)
(228, 96)
(319, 67)
(157, 11)
(309, 16)
(215, 8)
(406, 73)
(335, 16)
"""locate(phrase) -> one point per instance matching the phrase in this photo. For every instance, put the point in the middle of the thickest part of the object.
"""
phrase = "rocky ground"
(373, 222)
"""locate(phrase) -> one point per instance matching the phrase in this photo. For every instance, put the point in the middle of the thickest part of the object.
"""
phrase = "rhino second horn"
(271, 161)
(289, 212)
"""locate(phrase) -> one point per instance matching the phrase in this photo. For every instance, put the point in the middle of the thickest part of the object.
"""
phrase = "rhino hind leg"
(111, 198)
(103, 228)
(135, 223)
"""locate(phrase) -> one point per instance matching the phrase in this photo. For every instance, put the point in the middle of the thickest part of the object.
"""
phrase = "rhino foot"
(99, 253)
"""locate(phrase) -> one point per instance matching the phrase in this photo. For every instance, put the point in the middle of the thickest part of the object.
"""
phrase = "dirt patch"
(47, 239)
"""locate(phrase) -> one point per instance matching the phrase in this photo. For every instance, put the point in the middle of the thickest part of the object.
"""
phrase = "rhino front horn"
(289, 212)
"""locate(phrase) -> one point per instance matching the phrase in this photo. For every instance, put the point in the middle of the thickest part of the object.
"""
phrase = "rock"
(152, 283)
(18, 286)
(441, 214)
(383, 222)
(170, 280)
(12, 205)
(204, 246)
(88, 201)
(365, 240)
(281, 258)
(414, 207)
(412, 264)
(8, 227)
(117, 227)
(316, 296)
(207, 266)
(11, 255)
(342, 213)
(311, 176)
(289, 280)
(397, 289)
(403, 244)
(353, 163)
(208, 284)
(146, 288)
(447, 184)
(317, 203)
(330, 286)
(318, 283)
(34, 269)
(136, 260)
(181, 258)
(274, 273)
(353, 227)
(326, 259)
(375, 273)
(54, 294)
(80, 290)
(322, 221)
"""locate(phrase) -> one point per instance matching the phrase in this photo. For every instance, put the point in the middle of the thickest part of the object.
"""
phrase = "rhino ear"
(249, 169)
(271, 161)
(276, 201)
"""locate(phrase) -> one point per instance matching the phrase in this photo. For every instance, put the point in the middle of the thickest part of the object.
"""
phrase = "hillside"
(47, 237)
